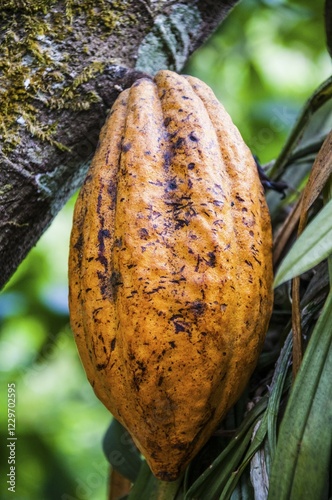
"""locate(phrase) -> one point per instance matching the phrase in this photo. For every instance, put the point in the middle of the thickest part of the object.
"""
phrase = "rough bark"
(62, 64)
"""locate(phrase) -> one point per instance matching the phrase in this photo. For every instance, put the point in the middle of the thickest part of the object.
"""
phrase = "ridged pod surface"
(170, 267)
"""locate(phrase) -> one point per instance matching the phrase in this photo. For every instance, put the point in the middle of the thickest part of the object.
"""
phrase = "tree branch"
(62, 65)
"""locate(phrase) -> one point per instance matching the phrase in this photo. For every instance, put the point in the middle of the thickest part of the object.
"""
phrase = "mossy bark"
(62, 64)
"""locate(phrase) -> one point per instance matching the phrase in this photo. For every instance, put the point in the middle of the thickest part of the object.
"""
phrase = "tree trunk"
(62, 65)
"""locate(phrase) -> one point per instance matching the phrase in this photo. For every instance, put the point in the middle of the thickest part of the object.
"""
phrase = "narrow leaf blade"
(313, 246)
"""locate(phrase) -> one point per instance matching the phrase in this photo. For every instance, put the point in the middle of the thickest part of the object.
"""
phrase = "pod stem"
(168, 490)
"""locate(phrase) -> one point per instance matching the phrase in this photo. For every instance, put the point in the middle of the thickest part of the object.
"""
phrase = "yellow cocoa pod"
(170, 267)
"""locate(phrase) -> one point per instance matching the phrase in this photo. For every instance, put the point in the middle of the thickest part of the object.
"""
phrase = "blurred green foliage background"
(263, 63)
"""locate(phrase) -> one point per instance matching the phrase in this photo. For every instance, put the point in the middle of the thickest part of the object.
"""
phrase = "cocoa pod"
(170, 267)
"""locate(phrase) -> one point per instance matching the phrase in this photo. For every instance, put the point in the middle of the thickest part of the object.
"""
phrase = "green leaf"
(301, 465)
(276, 390)
(121, 451)
(313, 246)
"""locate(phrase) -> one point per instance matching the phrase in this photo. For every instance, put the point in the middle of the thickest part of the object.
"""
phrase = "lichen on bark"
(36, 70)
